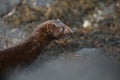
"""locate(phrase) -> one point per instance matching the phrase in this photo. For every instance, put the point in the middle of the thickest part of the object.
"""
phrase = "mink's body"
(27, 51)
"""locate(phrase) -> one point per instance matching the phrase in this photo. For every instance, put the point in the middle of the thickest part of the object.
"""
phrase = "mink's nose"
(69, 31)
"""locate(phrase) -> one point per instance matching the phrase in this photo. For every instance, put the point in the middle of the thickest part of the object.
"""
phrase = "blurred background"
(96, 25)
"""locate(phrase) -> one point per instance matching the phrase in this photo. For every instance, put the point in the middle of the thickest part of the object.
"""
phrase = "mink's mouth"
(66, 36)
(69, 36)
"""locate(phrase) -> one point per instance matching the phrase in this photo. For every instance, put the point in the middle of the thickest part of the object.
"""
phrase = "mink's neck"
(25, 52)
(35, 43)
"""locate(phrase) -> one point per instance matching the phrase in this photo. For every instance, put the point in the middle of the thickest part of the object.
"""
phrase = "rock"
(7, 5)
(38, 3)
(10, 36)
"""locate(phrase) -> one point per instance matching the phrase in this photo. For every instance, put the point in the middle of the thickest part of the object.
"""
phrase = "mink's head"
(55, 29)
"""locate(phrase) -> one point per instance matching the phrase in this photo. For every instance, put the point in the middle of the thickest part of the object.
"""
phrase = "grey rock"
(7, 5)
(37, 3)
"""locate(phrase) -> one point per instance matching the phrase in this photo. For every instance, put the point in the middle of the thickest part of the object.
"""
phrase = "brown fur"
(28, 50)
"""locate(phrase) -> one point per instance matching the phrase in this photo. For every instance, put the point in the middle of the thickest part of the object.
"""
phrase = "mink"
(29, 49)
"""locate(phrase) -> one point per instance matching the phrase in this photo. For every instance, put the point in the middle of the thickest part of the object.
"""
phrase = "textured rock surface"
(7, 5)
(37, 3)
(10, 35)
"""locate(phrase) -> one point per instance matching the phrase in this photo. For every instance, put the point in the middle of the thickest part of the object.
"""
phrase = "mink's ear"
(50, 28)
